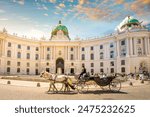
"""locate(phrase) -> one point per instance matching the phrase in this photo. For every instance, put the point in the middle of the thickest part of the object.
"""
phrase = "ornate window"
(71, 49)
(123, 42)
(48, 49)
(123, 52)
(112, 70)
(18, 70)
(139, 41)
(8, 69)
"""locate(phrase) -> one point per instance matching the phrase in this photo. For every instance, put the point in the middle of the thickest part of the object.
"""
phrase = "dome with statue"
(129, 23)
(58, 28)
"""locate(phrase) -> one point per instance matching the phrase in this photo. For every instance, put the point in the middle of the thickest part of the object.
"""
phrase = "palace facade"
(126, 51)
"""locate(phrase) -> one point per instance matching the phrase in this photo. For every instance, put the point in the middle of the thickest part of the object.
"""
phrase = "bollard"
(38, 85)
(142, 81)
(8, 82)
(131, 84)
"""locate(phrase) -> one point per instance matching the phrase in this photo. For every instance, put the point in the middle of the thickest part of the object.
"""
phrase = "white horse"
(53, 78)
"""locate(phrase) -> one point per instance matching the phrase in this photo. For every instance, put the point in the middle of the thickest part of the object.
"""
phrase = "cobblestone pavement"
(18, 92)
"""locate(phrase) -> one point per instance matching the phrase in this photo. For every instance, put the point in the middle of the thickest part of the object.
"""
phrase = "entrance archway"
(60, 66)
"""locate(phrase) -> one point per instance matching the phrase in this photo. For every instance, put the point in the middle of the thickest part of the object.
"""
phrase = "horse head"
(46, 75)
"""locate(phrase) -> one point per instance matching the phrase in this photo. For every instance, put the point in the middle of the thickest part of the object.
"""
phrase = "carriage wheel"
(115, 85)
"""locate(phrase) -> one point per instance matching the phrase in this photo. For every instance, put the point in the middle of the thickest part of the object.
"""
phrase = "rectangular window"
(112, 63)
(71, 49)
(8, 63)
(37, 49)
(92, 71)
(112, 70)
(92, 64)
(92, 56)
(28, 71)
(92, 48)
(8, 69)
(122, 62)
(9, 44)
(101, 64)
(102, 70)
(71, 57)
(28, 64)
(28, 47)
(48, 49)
(101, 46)
(18, 70)
(19, 46)
(18, 63)
(123, 70)
(82, 48)
(123, 42)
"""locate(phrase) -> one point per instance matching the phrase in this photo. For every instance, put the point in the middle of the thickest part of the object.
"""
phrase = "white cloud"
(45, 14)
(70, 0)
(3, 19)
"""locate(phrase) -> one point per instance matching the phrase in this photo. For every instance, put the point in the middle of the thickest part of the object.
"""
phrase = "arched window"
(19, 55)
(8, 53)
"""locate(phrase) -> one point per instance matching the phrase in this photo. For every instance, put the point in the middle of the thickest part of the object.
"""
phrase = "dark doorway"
(60, 65)
(36, 72)
(72, 71)
(47, 69)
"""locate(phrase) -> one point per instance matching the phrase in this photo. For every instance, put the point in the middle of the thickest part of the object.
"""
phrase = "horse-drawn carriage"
(81, 84)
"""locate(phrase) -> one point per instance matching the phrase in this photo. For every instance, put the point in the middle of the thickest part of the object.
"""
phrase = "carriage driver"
(83, 71)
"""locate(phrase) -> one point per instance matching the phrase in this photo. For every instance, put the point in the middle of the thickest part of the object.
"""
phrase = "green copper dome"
(133, 21)
(60, 27)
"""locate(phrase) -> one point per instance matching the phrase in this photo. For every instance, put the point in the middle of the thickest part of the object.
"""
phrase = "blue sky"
(83, 18)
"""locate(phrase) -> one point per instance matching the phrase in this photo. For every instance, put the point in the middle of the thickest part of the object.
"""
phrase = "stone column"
(128, 47)
(131, 46)
(148, 45)
(118, 49)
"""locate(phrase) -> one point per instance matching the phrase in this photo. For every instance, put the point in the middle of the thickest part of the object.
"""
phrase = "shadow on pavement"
(96, 92)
